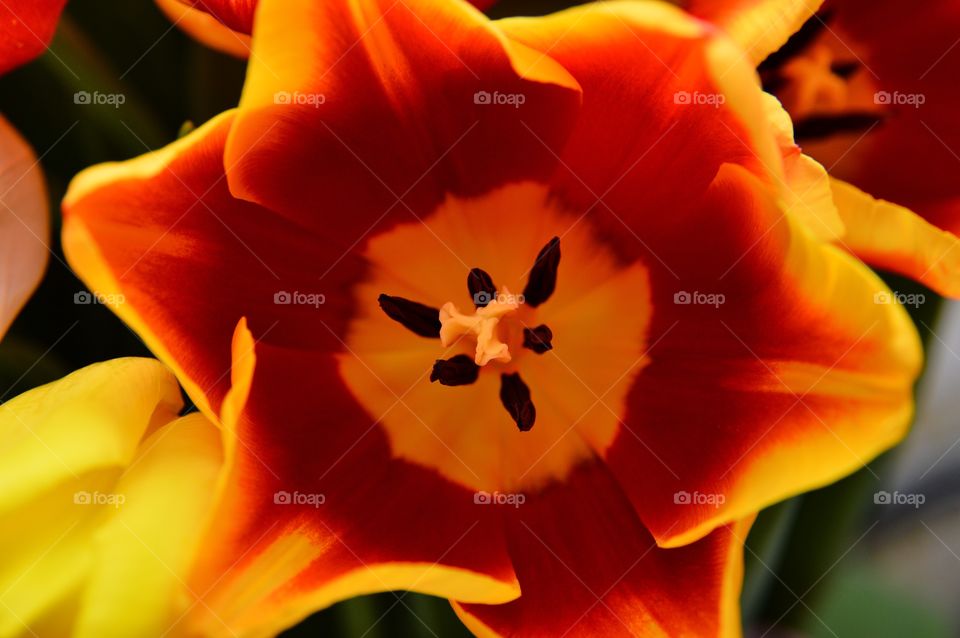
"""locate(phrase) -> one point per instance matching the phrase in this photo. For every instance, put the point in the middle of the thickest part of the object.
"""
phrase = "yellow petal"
(65, 445)
(806, 192)
(894, 238)
(144, 551)
(90, 420)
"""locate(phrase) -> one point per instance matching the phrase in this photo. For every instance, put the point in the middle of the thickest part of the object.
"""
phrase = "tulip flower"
(875, 102)
(105, 495)
(541, 316)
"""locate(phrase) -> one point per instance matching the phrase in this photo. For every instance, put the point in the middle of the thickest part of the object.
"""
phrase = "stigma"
(481, 325)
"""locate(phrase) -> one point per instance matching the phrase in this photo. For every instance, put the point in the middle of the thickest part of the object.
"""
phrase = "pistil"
(482, 325)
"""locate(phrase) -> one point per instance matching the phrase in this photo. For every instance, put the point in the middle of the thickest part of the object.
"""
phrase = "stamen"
(539, 339)
(816, 127)
(844, 69)
(457, 370)
(482, 325)
(416, 317)
(481, 287)
(515, 396)
(543, 275)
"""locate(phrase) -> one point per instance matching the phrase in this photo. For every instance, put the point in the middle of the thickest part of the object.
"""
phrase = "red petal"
(168, 216)
(796, 365)
(27, 28)
(402, 120)
(587, 567)
(378, 528)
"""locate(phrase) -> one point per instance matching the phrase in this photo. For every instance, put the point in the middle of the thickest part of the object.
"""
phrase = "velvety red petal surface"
(394, 112)
(27, 27)
(796, 360)
(588, 567)
(911, 158)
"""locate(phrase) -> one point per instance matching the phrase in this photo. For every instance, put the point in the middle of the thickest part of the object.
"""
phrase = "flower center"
(822, 83)
(493, 388)
(480, 326)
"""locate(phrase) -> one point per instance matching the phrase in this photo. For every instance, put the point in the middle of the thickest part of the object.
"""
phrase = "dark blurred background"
(829, 563)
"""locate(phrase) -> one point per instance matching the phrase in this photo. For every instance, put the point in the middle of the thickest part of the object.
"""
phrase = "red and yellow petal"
(893, 238)
(384, 108)
(791, 358)
(26, 27)
(760, 27)
(24, 223)
(326, 512)
(666, 102)
(799, 318)
(166, 215)
(227, 24)
(588, 567)
(206, 28)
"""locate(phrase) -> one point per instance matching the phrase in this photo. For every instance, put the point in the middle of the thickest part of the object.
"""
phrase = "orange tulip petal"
(587, 567)
(24, 224)
(791, 363)
(383, 109)
(206, 28)
(891, 237)
(227, 24)
(187, 228)
(366, 528)
(180, 202)
(665, 104)
(759, 26)
(27, 27)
